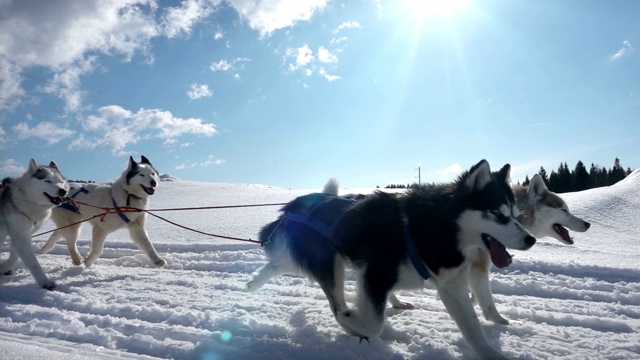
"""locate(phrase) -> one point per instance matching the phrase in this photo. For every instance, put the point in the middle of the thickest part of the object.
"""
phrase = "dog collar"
(415, 258)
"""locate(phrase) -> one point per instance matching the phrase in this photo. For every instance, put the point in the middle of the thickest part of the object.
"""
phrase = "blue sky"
(289, 93)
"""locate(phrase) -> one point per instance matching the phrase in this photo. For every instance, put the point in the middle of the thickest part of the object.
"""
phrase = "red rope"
(126, 209)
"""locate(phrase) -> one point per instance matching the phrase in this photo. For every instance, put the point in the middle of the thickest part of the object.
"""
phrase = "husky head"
(141, 178)
(47, 181)
(546, 214)
(491, 222)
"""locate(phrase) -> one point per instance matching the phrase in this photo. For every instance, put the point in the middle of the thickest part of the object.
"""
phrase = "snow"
(564, 302)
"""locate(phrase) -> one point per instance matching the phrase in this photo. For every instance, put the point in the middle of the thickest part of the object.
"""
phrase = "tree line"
(578, 179)
(565, 180)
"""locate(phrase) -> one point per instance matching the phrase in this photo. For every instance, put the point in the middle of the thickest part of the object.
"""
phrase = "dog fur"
(449, 224)
(25, 203)
(132, 188)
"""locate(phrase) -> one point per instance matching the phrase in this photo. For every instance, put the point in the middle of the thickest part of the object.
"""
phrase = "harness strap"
(312, 222)
(120, 213)
(415, 258)
(70, 205)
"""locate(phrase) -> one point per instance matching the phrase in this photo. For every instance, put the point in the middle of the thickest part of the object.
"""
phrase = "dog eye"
(48, 181)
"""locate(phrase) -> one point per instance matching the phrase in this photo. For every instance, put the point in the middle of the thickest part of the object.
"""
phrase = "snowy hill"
(566, 302)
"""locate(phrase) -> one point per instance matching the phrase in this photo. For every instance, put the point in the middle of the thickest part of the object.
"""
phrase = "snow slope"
(565, 302)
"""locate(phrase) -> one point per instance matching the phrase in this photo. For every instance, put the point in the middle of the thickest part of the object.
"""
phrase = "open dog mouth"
(563, 232)
(54, 200)
(499, 255)
(148, 190)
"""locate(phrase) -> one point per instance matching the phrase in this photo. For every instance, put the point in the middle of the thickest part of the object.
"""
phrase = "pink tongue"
(499, 255)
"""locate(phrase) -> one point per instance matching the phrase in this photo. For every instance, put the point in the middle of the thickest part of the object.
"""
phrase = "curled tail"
(331, 187)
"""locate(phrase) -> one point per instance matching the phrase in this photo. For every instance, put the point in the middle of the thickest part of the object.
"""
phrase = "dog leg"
(397, 304)
(262, 275)
(367, 319)
(21, 244)
(454, 294)
(98, 238)
(481, 289)
(71, 235)
(141, 239)
(48, 246)
(5, 267)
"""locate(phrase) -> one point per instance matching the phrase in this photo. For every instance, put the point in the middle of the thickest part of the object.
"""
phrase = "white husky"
(132, 188)
(543, 213)
(25, 202)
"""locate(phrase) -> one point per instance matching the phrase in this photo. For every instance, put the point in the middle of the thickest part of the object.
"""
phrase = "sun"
(441, 8)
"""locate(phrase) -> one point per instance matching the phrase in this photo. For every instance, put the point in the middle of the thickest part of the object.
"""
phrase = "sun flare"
(425, 8)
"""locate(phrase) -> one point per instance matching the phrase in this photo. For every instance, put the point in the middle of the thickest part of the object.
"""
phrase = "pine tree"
(580, 177)
(544, 176)
(554, 182)
(526, 181)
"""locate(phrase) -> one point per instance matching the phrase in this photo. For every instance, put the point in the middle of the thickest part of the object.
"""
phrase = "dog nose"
(529, 241)
(586, 225)
(62, 192)
(153, 183)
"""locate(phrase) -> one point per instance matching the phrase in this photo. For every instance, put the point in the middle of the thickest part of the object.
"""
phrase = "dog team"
(446, 234)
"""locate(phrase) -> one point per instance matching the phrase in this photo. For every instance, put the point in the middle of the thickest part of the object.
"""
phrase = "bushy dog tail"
(331, 187)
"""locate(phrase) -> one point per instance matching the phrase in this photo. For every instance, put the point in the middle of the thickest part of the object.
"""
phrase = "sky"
(289, 93)
(563, 302)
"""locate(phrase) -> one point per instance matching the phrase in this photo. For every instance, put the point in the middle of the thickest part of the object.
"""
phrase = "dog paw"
(160, 263)
(76, 262)
(49, 285)
(403, 305)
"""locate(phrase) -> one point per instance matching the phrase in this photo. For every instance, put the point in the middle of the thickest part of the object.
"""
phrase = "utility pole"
(418, 175)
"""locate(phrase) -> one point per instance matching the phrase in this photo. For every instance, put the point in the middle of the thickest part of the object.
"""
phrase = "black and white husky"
(25, 203)
(396, 242)
(132, 188)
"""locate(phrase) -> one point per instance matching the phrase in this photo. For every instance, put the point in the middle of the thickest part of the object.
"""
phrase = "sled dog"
(542, 213)
(25, 202)
(396, 242)
(132, 188)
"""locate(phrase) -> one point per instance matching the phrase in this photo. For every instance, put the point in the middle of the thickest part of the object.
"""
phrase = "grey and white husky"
(543, 213)
(25, 203)
(396, 242)
(132, 188)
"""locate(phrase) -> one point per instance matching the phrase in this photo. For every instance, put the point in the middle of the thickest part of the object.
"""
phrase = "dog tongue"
(499, 255)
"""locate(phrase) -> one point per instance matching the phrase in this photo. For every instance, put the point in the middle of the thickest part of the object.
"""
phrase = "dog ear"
(132, 163)
(144, 160)
(479, 176)
(53, 164)
(33, 167)
(537, 187)
(505, 174)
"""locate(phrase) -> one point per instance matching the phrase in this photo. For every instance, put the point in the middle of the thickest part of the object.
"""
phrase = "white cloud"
(224, 65)
(199, 91)
(626, 47)
(347, 25)
(218, 35)
(303, 56)
(325, 56)
(452, 169)
(47, 131)
(191, 164)
(330, 78)
(178, 20)
(115, 127)
(269, 16)
(11, 167)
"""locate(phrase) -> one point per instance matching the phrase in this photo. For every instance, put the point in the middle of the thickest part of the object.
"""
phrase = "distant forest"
(565, 180)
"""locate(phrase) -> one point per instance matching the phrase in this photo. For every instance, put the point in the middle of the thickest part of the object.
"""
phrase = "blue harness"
(72, 207)
(326, 230)
(415, 258)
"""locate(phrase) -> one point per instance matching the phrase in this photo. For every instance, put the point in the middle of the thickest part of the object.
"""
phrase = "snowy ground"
(566, 302)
